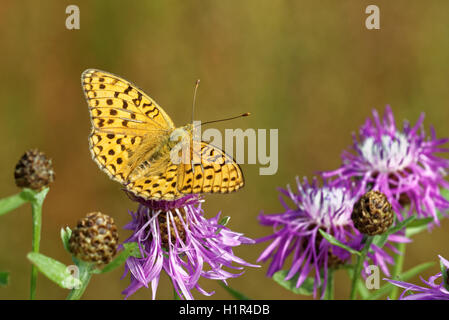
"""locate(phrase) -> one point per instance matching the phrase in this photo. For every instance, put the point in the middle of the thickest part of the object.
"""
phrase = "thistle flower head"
(95, 239)
(296, 232)
(401, 163)
(432, 291)
(34, 170)
(174, 236)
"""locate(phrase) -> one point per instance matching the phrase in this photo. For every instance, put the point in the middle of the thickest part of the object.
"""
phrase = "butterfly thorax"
(153, 153)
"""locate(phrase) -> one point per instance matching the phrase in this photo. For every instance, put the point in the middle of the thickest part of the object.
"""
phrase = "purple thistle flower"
(399, 163)
(296, 232)
(174, 236)
(433, 291)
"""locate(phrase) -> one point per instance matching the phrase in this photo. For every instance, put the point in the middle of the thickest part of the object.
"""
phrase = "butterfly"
(132, 141)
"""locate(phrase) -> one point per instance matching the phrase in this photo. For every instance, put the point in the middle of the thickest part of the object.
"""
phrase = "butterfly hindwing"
(157, 185)
(217, 173)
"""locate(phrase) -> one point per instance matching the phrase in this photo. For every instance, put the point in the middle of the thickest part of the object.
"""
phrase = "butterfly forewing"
(118, 99)
(112, 153)
(122, 116)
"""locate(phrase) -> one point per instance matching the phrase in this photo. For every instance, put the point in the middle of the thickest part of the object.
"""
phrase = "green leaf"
(420, 225)
(417, 226)
(362, 290)
(39, 196)
(28, 194)
(415, 270)
(305, 289)
(4, 278)
(130, 250)
(337, 243)
(380, 240)
(386, 288)
(12, 202)
(234, 293)
(420, 222)
(34, 196)
(400, 225)
(83, 272)
(445, 193)
(444, 272)
(133, 248)
(224, 221)
(65, 237)
(54, 270)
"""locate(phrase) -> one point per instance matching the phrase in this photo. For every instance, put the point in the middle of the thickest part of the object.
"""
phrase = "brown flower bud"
(95, 239)
(34, 170)
(372, 213)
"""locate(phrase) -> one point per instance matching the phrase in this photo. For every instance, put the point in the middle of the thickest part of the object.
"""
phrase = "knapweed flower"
(174, 236)
(402, 164)
(433, 291)
(296, 232)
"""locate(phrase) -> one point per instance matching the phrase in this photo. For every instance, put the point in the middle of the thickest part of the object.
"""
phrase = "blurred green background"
(308, 68)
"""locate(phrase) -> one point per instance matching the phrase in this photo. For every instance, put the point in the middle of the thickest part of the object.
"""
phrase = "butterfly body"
(136, 143)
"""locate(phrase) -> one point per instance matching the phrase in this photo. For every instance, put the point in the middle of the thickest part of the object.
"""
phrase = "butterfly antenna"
(240, 116)
(194, 97)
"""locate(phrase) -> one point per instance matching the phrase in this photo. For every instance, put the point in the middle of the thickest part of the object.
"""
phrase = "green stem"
(36, 208)
(36, 199)
(329, 295)
(359, 264)
(85, 270)
(12, 202)
(175, 295)
(399, 263)
(234, 293)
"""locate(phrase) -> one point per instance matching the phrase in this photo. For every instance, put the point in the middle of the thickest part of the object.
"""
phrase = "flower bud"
(34, 170)
(95, 239)
(372, 213)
